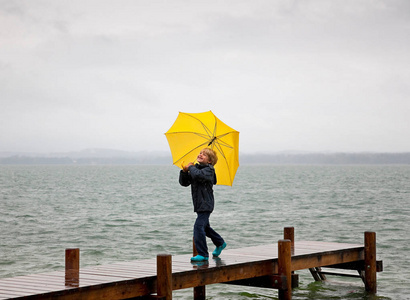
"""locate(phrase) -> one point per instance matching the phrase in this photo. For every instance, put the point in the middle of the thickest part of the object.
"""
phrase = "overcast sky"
(305, 75)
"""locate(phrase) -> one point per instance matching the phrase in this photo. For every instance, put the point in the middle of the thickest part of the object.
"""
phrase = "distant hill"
(108, 156)
(88, 157)
(327, 158)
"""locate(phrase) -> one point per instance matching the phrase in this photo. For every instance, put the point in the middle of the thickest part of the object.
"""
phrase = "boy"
(202, 177)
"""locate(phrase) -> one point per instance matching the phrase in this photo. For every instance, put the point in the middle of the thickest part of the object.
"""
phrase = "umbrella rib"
(219, 147)
(223, 143)
(225, 162)
(199, 146)
(202, 123)
(193, 132)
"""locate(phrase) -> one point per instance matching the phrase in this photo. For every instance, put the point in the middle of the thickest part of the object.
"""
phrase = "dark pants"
(202, 229)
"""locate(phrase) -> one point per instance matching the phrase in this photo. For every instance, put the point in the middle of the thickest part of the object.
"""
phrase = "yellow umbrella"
(192, 132)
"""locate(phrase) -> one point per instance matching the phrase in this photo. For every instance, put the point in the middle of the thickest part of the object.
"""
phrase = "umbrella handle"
(210, 143)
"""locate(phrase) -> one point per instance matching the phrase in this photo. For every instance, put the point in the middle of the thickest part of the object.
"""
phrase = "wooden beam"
(148, 297)
(202, 277)
(328, 258)
(338, 274)
(269, 282)
(317, 274)
(356, 265)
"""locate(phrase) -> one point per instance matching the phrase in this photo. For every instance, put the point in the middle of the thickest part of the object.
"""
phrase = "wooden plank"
(119, 273)
(31, 288)
(304, 246)
(26, 290)
(122, 275)
(54, 274)
(32, 284)
(118, 270)
(141, 270)
(57, 282)
(18, 293)
(130, 265)
(134, 267)
(5, 295)
(301, 248)
(50, 279)
(9, 295)
(29, 282)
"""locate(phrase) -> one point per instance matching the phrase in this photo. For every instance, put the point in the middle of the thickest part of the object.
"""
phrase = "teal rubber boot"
(218, 250)
(199, 258)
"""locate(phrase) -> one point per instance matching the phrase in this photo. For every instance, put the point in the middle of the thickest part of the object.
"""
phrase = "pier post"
(285, 268)
(289, 234)
(370, 262)
(199, 291)
(72, 267)
(164, 276)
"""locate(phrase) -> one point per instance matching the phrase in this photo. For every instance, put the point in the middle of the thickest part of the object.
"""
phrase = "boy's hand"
(185, 167)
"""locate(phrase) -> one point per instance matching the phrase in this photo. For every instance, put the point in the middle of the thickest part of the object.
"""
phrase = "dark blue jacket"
(201, 178)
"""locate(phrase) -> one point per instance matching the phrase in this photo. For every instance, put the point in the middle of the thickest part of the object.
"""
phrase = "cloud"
(305, 75)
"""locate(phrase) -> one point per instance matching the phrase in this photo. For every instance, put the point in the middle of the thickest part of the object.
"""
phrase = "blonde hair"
(213, 158)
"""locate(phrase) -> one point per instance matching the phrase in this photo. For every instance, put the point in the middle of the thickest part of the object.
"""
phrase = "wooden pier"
(269, 266)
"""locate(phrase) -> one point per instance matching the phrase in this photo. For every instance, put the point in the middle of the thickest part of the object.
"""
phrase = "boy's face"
(203, 159)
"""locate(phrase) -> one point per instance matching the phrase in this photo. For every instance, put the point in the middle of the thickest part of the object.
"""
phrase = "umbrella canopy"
(191, 132)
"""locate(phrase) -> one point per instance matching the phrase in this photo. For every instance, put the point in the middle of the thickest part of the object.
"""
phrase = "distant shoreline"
(117, 158)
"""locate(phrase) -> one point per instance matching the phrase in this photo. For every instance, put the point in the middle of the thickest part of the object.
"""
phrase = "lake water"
(122, 213)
